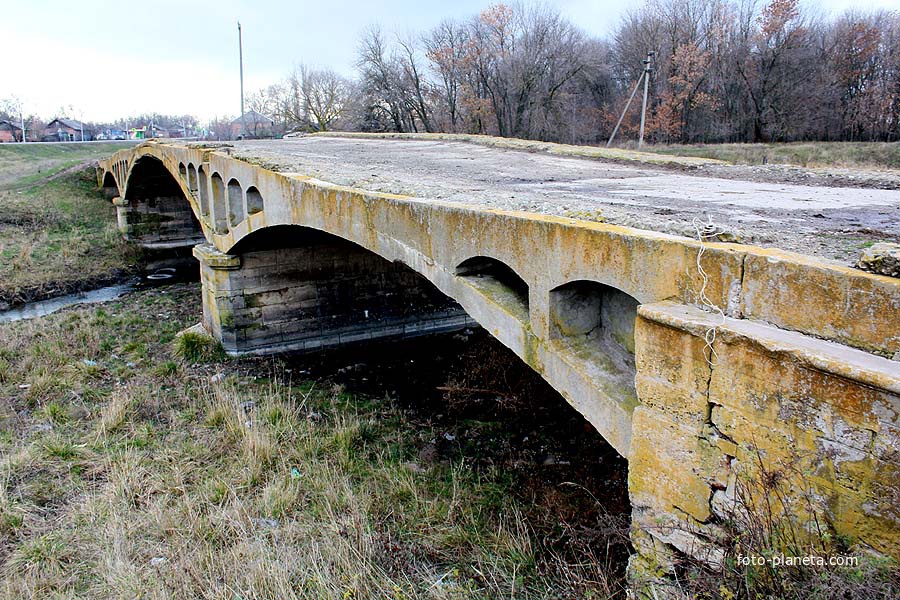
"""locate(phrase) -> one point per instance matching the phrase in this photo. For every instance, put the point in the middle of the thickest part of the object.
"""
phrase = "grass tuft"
(197, 347)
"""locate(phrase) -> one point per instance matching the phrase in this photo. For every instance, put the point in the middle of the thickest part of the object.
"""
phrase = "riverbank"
(60, 237)
(129, 472)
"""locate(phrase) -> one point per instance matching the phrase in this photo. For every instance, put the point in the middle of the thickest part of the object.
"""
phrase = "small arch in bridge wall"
(254, 201)
(192, 178)
(182, 170)
(110, 189)
(595, 320)
(219, 203)
(235, 202)
(499, 282)
(203, 186)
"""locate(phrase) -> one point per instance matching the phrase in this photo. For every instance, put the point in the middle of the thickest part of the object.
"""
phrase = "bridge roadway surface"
(828, 222)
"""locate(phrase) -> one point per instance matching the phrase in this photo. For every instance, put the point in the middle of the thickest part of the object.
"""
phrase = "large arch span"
(611, 317)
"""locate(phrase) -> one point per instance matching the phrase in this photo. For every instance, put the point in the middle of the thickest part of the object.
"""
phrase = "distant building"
(252, 125)
(67, 130)
(9, 131)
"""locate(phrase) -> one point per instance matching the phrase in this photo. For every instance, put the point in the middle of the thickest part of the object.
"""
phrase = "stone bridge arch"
(611, 317)
(154, 205)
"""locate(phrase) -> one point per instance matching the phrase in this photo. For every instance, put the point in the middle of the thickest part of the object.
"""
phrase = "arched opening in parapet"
(499, 282)
(157, 213)
(182, 171)
(254, 201)
(219, 203)
(594, 322)
(192, 178)
(110, 189)
(203, 185)
(235, 202)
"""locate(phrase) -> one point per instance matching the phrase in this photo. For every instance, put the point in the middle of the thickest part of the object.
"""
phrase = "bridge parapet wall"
(817, 421)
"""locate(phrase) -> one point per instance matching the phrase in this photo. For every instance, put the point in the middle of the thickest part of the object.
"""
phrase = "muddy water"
(492, 410)
(41, 308)
(154, 277)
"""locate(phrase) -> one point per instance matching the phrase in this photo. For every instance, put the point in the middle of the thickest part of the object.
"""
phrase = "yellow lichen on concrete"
(773, 404)
(826, 300)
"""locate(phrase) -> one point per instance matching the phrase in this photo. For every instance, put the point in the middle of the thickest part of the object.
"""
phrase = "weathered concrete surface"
(799, 374)
(822, 221)
(822, 415)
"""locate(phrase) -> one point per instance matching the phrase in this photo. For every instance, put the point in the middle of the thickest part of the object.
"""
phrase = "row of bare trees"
(725, 70)
(754, 71)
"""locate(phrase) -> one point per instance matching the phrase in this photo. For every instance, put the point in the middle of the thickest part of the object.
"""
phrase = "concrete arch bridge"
(327, 240)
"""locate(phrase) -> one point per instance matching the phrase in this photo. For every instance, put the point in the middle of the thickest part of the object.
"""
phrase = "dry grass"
(22, 165)
(136, 477)
(57, 237)
(865, 155)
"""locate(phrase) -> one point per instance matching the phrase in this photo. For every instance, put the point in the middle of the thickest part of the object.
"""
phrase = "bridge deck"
(827, 222)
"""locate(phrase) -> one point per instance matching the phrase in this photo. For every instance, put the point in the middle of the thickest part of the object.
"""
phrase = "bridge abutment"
(761, 426)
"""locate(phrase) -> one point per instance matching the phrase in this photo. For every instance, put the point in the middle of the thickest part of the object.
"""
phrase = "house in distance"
(67, 130)
(252, 125)
(9, 131)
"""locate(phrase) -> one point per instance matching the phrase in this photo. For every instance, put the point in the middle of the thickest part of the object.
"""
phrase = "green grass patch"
(198, 347)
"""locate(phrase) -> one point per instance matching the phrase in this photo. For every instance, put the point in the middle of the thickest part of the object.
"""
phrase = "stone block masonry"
(158, 222)
(314, 297)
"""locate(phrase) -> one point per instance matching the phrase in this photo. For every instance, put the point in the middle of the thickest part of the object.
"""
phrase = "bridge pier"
(154, 211)
(159, 222)
(321, 294)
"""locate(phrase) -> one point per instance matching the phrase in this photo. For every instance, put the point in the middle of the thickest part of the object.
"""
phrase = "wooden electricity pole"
(645, 77)
(648, 62)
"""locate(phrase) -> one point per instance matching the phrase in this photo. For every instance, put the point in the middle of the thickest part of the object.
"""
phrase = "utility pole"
(22, 118)
(648, 62)
(241, 63)
(645, 77)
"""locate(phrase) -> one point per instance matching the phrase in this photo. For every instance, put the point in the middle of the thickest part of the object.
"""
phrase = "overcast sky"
(113, 58)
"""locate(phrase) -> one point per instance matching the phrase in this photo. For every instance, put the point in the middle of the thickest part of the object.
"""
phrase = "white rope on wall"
(706, 231)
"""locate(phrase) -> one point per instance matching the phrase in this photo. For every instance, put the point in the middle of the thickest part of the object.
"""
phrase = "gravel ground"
(827, 213)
